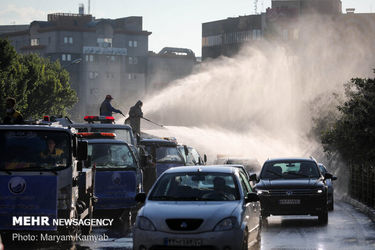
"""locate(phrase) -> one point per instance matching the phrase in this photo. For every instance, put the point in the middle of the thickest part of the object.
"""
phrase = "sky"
(173, 23)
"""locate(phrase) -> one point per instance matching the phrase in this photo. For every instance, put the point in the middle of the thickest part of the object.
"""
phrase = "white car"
(199, 207)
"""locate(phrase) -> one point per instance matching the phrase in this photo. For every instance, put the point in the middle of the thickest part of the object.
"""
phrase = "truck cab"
(164, 154)
(37, 179)
(118, 176)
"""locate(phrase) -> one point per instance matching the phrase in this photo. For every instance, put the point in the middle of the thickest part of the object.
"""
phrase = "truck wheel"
(323, 218)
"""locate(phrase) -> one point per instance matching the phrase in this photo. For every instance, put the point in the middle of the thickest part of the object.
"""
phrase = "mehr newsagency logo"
(17, 185)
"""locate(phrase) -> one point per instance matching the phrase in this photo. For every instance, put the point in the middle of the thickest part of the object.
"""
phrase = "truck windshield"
(168, 154)
(34, 150)
(111, 155)
(121, 134)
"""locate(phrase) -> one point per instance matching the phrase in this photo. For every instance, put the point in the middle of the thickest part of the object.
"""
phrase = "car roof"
(290, 159)
(203, 169)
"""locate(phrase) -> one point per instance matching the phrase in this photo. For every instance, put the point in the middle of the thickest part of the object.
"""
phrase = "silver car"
(199, 207)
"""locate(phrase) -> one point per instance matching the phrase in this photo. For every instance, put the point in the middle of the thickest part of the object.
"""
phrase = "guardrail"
(362, 184)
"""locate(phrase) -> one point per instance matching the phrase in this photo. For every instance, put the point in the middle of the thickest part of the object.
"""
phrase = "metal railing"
(362, 184)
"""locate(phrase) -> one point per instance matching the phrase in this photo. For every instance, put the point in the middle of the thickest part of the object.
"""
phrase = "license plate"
(289, 202)
(183, 242)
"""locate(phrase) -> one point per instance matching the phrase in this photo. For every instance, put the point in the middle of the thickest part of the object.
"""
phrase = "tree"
(353, 133)
(40, 86)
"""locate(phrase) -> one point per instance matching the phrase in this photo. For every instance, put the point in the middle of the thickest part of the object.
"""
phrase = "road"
(347, 229)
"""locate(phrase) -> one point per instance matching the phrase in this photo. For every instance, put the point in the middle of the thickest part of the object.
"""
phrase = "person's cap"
(109, 97)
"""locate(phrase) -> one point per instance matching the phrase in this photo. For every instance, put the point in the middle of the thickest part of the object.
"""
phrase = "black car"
(293, 186)
(329, 183)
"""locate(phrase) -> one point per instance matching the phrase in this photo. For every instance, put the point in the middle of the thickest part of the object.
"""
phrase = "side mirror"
(140, 197)
(253, 177)
(328, 176)
(79, 166)
(88, 161)
(205, 158)
(74, 140)
(251, 197)
(82, 150)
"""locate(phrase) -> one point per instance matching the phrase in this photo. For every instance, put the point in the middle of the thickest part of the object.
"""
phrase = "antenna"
(88, 11)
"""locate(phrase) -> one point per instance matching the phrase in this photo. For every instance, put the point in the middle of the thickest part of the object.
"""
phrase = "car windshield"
(168, 154)
(196, 186)
(121, 134)
(34, 150)
(289, 170)
(111, 155)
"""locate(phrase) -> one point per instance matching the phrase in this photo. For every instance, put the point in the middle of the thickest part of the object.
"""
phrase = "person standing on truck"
(52, 154)
(12, 116)
(135, 115)
(106, 108)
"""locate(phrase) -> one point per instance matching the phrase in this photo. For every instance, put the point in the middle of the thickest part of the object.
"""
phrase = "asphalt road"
(347, 229)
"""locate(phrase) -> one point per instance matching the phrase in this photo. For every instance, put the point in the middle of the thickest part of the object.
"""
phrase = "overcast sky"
(173, 23)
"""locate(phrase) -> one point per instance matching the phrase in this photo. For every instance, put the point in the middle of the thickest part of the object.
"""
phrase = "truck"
(36, 191)
(118, 176)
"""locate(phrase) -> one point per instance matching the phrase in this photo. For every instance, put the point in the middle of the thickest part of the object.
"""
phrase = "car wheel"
(245, 243)
(323, 218)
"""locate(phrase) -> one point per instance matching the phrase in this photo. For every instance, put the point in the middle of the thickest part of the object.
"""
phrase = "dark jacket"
(135, 115)
(107, 109)
(14, 117)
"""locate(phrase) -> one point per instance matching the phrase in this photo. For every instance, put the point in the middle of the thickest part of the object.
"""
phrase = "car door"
(253, 209)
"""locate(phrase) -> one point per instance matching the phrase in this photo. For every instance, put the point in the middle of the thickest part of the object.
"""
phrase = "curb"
(370, 212)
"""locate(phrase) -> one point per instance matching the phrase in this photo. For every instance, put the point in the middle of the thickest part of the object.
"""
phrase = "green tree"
(353, 133)
(40, 86)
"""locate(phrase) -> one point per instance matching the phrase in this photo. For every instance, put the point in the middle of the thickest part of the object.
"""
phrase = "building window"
(68, 57)
(133, 43)
(135, 60)
(110, 75)
(68, 39)
(130, 60)
(91, 58)
(93, 75)
(34, 42)
(132, 76)
(63, 57)
(104, 42)
(87, 58)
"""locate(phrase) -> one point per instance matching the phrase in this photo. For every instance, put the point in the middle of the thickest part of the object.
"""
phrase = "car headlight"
(225, 224)
(145, 224)
(320, 191)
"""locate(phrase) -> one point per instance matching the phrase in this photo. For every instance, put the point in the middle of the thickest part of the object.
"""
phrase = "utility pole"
(88, 11)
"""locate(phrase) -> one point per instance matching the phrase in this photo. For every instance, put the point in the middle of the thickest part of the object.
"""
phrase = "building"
(168, 65)
(103, 56)
(226, 37)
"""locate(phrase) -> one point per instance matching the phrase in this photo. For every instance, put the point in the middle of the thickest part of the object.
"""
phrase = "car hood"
(289, 184)
(211, 212)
